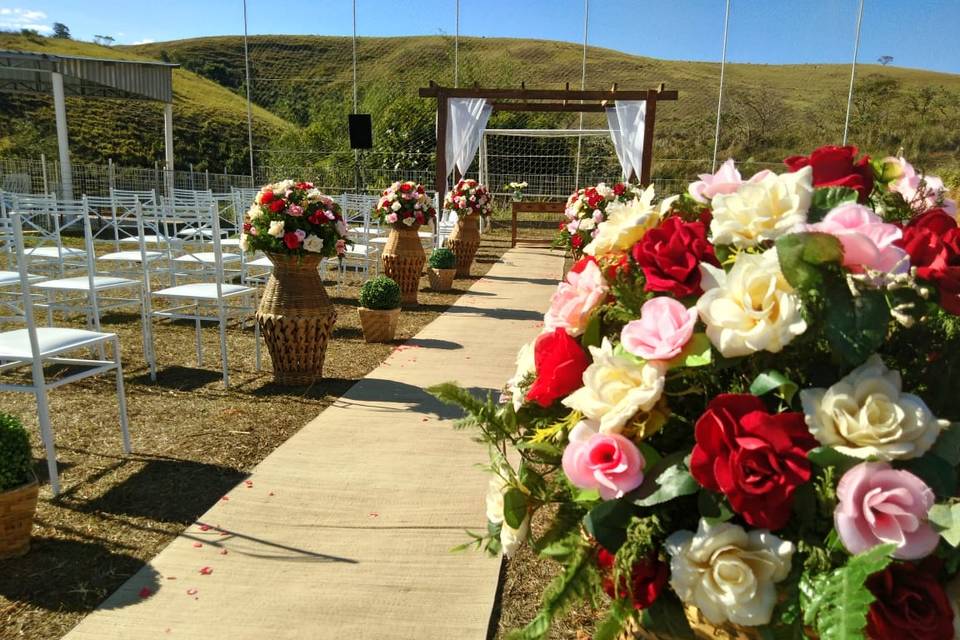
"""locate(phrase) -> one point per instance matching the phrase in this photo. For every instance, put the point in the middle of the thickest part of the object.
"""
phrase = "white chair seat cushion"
(260, 262)
(192, 233)
(52, 252)
(15, 345)
(148, 239)
(129, 256)
(230, 242)
(82, 283)
(8, 278)
(359, 250)
(206, 257)
(202, 291)
(380, 240)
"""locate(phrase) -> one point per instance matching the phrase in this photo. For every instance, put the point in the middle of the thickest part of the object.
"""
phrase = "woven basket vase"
(379, 325)
(464, 242)
(17, 508)
(441, 279)
(403, 260)
(702, 629)
(296, 318)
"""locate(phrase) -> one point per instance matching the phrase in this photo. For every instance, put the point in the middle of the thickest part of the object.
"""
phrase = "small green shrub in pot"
(16, 461)
(381, 293)
(18, 488)
(443, 258)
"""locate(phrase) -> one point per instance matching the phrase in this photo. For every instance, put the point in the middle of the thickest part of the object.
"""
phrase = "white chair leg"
(223, 347)
(196, 313)
(46, 434)
(121, 398)
(256, 337)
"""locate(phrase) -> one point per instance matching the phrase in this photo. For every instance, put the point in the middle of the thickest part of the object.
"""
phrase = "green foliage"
(668, 479)
(666, 617)
(946, 518)
(442, 258)
(803, 255)
(826, 198)
(611, 626)
(940, 475)
(855, 325)
(774, 381)
(16, 462)
(607, 522)
(380, 292)
(836, 603)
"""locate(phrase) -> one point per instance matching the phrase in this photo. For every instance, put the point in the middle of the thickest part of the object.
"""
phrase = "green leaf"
(774, 381)
(666, 618)
(611, 626)
(586, 495)
(826, 198)
(713, 507)
(591, 334)
(650, 455)
(946, 518)
(940, 475)
(947, 445)
(696, 353)
(607, 522)
(825, 457)
(803, 257)
(855, 326)
(514, 507)
(836, 603)
(669, 479)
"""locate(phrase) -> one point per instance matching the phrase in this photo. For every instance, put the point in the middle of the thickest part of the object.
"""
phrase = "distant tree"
(61, 31)
(885, 60)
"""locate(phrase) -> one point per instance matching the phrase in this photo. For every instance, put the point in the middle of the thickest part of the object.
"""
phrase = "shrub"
(16, 462)
(443, 258)
(380, 293)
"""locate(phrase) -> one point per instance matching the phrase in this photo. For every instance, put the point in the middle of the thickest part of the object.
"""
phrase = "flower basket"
(464, 242)
(296, 318)
(441, 279)
(702, 629)
(379, 325)
(17, 509)
(403, 260)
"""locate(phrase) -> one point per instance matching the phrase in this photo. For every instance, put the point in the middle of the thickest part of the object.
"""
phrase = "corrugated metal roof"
(29, 72)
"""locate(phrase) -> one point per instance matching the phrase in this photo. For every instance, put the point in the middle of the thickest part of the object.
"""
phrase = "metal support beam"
(63, 144)
(168, 145)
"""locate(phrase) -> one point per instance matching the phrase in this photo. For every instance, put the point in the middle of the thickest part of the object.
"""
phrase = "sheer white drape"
(626, 121)
(465, 124)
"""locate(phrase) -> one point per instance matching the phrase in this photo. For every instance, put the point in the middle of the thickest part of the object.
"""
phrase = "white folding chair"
(36, 346)
(46, 219)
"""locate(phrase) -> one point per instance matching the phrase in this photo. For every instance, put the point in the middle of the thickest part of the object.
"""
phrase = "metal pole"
(246, 62)
(456, 51)
(583, 87)
(723, 67)
(43, 173)
(63, 148)
(853, 73)
(354, 56)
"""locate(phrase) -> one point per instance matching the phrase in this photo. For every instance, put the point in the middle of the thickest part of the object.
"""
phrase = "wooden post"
(441, 177)
(648, 123)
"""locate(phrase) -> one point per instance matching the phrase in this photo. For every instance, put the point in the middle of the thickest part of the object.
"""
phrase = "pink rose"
(907, 185)
(607, 462)
(726, 180)
(295, 210)
(391, 218)
(878, 505)
(575, 298)
(868, 241)
(663, 329)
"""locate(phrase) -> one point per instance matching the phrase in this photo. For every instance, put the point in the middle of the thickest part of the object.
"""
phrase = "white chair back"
(26, 300)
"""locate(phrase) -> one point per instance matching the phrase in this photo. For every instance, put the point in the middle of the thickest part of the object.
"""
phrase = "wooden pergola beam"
(596, 107)
(434, 91)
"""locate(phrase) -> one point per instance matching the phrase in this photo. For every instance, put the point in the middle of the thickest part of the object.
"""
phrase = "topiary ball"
(443, 258)
(380, 293)
(16, 461)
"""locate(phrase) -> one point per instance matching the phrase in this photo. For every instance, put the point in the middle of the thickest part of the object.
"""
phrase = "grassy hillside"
(209, 120)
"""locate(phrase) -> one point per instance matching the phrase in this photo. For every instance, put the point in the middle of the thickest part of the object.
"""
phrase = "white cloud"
(17, 18)
(145, 41)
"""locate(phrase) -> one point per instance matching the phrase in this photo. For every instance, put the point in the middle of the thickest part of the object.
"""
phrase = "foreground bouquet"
(292, 217)
(587, 208)
(741, 412)
(405, 203)
(469, 197)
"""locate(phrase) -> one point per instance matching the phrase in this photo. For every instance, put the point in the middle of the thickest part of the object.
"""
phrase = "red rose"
(560, 363)
(405, 187)
(292, 240)
(622, 265)
(619, 189)
(670, 256)
(277, 206)
(246, 227)
(911, 604)
(754, 458)
(837, 167)
(576, 240)
(266, 198)
(933, 242)
(648, 579)
(582, 263)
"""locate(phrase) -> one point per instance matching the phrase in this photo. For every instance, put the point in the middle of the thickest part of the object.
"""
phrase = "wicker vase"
(379, 325)
(17, 508)
(403, 260)
(441, 279)
(464, 242)
(296, 318)
(702, 629)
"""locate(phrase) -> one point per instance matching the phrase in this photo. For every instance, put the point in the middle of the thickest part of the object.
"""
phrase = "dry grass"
(193, 441)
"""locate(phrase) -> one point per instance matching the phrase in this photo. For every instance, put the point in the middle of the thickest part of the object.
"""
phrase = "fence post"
(156, 177)
(110, 174)
(43, 173)
(206, 179)
(192, 186)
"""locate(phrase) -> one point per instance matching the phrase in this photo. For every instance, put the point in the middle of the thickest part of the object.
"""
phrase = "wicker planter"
(379, 325)
(17, 508)
(702, 630)
(464, 242)
(403, 260)
(296, 319)
(441, 279)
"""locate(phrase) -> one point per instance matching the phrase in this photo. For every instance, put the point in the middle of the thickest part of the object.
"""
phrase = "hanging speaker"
(361, 131)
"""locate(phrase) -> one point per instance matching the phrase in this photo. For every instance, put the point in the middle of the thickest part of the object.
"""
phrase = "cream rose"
(727, 573)
(526, 367)
(510, 538)
(254, 212)
(762, 210)
(625, 225)
(866, 415)
(244, 242)
(616, 388)
(313, 243)
(752, 308)
(276, 228)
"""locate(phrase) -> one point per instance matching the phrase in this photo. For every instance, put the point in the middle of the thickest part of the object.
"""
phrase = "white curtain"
(626, 121)
(466, 120)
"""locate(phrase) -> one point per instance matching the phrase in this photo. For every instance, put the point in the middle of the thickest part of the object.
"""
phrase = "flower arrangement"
(380, 293)
(516, 190)
(295, 218)
(743, 411)
(405, 203)
(442, 258)
(16, 461)
(587, 208)
(469, 197)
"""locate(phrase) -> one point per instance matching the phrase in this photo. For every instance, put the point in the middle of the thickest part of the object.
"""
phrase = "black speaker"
(361, 131)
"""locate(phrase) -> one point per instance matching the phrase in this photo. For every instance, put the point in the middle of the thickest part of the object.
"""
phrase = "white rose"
(495, 490)
(587, 224)
(752, 308)
(313, 243)
(625, 225)
(616, 388)
(727, 573)
(511, 539)
(525, 367)
(409, 221)
(764, 210)
(254, 212)
(244, 244)
(395, 206)
(866, 415)
(276, 228)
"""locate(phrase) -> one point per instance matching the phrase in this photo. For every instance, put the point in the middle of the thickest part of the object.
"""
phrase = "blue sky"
(918, 33)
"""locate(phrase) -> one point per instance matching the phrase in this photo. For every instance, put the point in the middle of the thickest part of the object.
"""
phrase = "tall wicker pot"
(403, 260)
(17, 508)
(296, 318)
(464, 242)
(701, 627)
